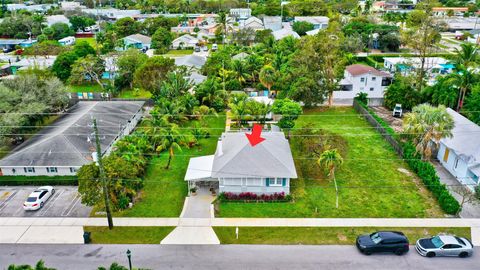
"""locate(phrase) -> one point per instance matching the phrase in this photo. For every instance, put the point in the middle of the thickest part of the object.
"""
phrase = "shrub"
(427, 173)
(250, 196)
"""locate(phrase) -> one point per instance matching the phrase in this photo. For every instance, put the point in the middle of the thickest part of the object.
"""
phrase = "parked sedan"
(37, 199)
(444, 245)
(379, 242)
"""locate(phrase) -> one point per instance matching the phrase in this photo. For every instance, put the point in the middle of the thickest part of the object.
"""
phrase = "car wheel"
(367, 252)
(53, 191)
(399, 252)
(431, 254)
(41, 205)
(463, 255)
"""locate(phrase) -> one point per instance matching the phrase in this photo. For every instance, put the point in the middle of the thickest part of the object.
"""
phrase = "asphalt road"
(223, 257)
(64, 203)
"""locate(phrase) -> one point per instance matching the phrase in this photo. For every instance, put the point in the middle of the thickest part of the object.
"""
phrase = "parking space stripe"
(51, 203)
(71, 206)
(4, 203)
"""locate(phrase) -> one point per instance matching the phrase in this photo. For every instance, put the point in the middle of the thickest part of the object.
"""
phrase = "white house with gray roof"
(69, 143)
(460, 154)
(238, 167)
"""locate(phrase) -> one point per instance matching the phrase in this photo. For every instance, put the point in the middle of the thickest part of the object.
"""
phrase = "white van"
(67, 41)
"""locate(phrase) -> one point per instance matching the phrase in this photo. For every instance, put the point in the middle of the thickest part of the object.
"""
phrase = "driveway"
(66, 202)
(470, 209)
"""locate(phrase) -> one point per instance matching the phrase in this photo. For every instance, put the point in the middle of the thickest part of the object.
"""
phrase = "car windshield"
(31, 199)
(437, 242)
(375, 238)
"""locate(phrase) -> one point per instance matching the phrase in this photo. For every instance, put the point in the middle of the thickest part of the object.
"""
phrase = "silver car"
(444, 245)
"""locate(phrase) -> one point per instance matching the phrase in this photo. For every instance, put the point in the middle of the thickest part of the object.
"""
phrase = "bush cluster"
(427, 173)
(250, 196)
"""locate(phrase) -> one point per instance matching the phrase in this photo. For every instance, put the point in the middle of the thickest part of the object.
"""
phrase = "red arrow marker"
(255, 138)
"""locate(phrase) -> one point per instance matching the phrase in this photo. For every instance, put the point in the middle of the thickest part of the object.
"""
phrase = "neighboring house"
(312, 32)
(241, 13)
(238, 167)
(283, 33)
(252, 23)
(192, 61)
(10, 44)
(53, 19)
(378, 6)
(405, 65)
(66, 41)
(64, 5)
(196, 78)
(70, 143)
(319, 22)
(111, 68)
(40, 62)
(137, 41)
(461, 23)
(443, 11)
(273, 23)
(460, 154)
(185, 41)
(42, 8)
(112, 14)
(362, 79)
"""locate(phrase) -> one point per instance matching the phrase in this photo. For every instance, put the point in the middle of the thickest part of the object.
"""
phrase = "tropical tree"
(241, 72)
(290, 110)
(172, 139)
(39, 266)
(267, 76)
(330, 160)
(128, 62)
(467, 55)
(463, 79)
(427, 125)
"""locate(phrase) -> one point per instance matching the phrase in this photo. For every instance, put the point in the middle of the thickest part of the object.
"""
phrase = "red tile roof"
(359, 69)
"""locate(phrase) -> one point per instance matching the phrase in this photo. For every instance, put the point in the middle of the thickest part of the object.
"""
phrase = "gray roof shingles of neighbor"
(237, 158)
(70, 140)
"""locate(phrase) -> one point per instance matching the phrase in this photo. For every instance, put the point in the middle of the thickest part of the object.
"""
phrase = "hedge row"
(427, 173)
(38, 180)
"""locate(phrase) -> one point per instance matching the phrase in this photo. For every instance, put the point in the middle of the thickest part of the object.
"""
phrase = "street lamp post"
(129, 256)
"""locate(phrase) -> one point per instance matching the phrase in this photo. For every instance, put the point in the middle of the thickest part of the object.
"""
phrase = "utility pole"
(102, 175)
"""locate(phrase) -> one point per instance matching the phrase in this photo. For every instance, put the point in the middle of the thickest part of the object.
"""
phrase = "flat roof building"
(69, 143)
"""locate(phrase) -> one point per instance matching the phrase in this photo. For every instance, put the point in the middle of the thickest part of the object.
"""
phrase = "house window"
(371, 88)
(445, 155)
(73, 170)
(52, 170)
(275, 182)
(374, 79)
(362, 79)
(29, 169)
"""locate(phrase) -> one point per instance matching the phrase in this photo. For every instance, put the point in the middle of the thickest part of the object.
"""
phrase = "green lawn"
(128, 235)
(319, 235)
(85, 88)
(165, 190)
(90, 41)
(178, 53)
(140, 93)
(373, 181)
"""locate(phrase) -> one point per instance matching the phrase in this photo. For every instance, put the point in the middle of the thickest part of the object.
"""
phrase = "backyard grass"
(139, 93)
(128, 235)
(319, 235)
(178, 53)
(90, 40)
(373, 181)
(85, 88)
(165, 190)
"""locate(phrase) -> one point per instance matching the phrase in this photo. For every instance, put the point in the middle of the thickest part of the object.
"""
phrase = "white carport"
(199, 170)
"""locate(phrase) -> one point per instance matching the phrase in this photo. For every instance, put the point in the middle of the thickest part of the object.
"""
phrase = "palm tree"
(172, 139)
(241, 73)
(171, 111)
(467, 56)
(267, 76)
(463, 79)
(427, 125)
(254, 64)
(330, 160)
(154, 125)
(222, 19)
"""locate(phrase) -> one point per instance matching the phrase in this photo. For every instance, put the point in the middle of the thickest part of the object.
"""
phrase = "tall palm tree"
(154, 125)
(331, 160)
(467, 55)
(241, 73)
(254, 64)
(427, 125)
(172, 139)
(463, 79)
(222, 19)
(267, 76)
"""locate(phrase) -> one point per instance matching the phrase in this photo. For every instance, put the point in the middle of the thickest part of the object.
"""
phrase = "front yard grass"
(319, 235)
(165, 190)
(85, 88)
(139, 93)
(373, 180)
(128, 235)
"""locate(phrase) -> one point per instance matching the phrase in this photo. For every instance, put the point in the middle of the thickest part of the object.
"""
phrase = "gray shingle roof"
(192, 60)
(235, 157)
(69, 141)
(140, 38)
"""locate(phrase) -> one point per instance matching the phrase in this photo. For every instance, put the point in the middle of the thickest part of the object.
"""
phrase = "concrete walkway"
(469, 210)
(198, 206)
(41, 234)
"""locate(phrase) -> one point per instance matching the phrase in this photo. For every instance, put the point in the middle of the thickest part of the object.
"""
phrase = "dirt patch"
(342, 237)
(405, 171)
(386, 115)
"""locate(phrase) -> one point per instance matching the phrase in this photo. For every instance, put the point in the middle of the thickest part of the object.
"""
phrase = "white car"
(37, 199)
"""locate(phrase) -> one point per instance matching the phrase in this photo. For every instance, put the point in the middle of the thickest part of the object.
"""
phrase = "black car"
(379, 242)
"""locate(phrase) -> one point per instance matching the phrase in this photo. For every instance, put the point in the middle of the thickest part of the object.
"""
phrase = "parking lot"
(66, 202)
